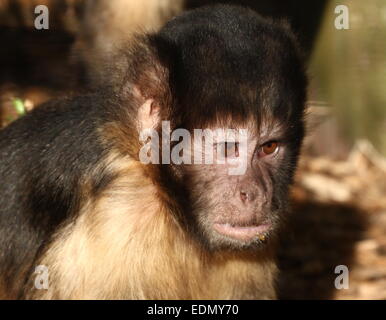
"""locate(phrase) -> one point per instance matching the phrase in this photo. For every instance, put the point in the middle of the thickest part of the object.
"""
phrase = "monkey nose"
(247, 196)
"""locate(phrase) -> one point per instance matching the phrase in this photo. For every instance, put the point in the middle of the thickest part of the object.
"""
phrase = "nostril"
(243, 196)
(246, 196)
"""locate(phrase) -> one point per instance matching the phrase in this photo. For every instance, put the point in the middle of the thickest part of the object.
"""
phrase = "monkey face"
(241, 209)
(250, 77)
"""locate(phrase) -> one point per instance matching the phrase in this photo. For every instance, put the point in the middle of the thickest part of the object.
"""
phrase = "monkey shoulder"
(44, 156)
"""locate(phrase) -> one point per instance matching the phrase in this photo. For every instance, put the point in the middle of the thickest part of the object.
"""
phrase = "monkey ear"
(148, 115)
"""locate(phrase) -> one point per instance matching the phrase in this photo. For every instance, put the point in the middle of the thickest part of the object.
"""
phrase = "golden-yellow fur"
(126, 245)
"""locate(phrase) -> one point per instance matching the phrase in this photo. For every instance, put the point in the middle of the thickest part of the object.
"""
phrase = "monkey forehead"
(228, 60)
(250, 130)
(225, 40)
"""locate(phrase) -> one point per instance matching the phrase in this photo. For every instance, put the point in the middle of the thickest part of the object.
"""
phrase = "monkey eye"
(269, 148)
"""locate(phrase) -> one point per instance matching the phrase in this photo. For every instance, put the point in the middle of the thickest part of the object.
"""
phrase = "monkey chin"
(242, 233)
(224, 236)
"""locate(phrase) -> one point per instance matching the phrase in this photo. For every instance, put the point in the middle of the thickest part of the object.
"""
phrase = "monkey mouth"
(242, 232)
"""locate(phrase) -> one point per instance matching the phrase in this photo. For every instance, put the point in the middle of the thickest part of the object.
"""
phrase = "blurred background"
(339, 196)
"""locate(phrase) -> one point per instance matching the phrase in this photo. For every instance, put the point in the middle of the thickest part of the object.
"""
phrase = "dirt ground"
(339, 218)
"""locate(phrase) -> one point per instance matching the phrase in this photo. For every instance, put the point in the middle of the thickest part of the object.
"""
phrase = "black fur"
(216, 54)
(43, 158)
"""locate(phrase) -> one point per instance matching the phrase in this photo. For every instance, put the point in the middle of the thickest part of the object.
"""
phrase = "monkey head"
(226, 68)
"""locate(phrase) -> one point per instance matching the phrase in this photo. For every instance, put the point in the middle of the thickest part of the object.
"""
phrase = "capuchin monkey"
(83, 216)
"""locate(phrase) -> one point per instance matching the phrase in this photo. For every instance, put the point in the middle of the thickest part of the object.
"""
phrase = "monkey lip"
(243, 233)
